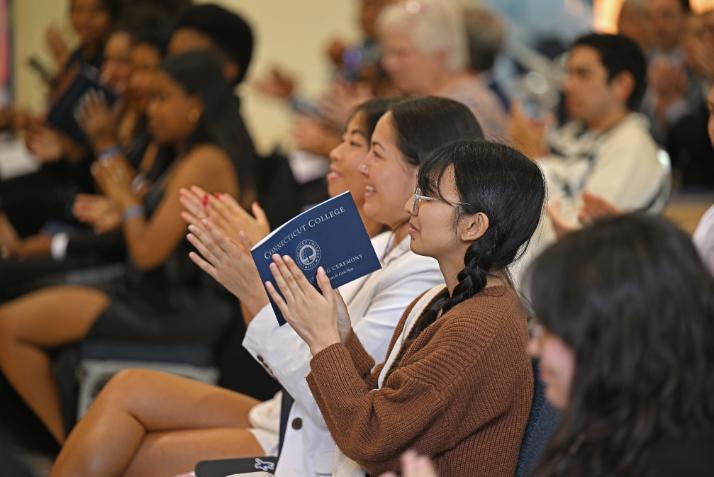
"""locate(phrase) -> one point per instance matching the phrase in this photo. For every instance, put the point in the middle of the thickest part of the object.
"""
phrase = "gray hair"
(433, 25)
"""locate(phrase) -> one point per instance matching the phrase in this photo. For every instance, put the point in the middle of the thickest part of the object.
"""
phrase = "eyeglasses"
(419, 198)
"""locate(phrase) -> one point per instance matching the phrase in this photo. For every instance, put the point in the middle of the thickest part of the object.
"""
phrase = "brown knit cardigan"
(461, 392)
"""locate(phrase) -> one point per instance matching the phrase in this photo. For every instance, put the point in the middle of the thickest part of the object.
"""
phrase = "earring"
(193, 116)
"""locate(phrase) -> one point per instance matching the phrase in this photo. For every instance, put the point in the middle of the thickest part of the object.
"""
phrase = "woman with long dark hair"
(160, 295)
(624, 333)
(457, 382)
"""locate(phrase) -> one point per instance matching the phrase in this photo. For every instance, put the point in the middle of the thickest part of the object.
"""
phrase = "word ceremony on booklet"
(330, 235)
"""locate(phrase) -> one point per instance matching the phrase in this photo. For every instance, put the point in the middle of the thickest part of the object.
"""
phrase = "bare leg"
(177, 452)
(34, 323)
(146, 422)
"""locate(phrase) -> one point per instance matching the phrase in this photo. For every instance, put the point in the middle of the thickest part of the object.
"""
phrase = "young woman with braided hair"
(457, 381)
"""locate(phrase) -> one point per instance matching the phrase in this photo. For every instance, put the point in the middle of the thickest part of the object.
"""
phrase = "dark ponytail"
(501, 183)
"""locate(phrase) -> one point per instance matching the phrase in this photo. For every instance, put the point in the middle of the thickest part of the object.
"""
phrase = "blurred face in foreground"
(557, 364)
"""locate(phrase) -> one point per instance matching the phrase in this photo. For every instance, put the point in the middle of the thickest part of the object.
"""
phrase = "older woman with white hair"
(425, 53)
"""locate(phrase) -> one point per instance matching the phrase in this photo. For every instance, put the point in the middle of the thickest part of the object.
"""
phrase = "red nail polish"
(205, 200)
(217, 194)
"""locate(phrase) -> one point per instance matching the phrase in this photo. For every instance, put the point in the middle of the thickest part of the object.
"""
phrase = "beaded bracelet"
(109, 153)
(132, 212)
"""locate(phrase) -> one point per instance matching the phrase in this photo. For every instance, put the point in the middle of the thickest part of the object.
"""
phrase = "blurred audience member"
(635, 23)
(686, 141)
(230, 36)
(596, 208)
(360, 62)
(624, 342)
(485, 36)
(93, 21)
(669, 21)
(160, 295)
(676, 87)
(66, 165)
(358, 74)
(606, 149)
(42, 259)
(425, 53)
(212, 27)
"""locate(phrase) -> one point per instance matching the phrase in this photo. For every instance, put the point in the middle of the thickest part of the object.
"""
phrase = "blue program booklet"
(330, 235)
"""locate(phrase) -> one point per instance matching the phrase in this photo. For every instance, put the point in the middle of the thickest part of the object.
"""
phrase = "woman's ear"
(473, 227)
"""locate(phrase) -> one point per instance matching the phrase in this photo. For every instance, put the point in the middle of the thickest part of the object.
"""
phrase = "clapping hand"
(45, 143)
(56, 44)
(527, 134)
(97, 119)
(114, 178)
(225, 214)
(312, 314)
(595, 208)
(229, 262)
(276, 83)
(101, 213)
(560, 225)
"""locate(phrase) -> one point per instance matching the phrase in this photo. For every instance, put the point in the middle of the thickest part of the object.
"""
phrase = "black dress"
(85, 248)
(175, 303)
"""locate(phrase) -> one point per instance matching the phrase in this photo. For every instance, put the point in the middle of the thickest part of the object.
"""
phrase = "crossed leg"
(35, 323)
(147, 423)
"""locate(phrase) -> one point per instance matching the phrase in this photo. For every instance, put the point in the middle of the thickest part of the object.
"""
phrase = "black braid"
(472, 279)
(478, 261)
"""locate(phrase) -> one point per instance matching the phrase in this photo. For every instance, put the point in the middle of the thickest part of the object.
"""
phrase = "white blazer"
(376, 303)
